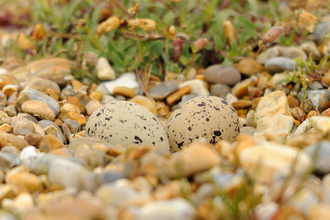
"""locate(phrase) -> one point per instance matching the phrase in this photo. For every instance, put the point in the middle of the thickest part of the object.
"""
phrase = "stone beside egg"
(208, 117)
(127, 123)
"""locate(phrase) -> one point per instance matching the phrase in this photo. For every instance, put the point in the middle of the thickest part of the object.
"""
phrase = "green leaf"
(218, 43)
(156, 48)
(169, 18)
(118, 62)
(233, 52)
(227, 62)
(111, 46)
(243, 22)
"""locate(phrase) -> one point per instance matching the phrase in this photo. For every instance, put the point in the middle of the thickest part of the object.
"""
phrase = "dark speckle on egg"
(197, 113)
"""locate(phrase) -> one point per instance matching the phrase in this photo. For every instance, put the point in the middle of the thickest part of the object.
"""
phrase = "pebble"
(145, 102)
(50, 143)
(29, 181)
(277, 124)
(241, 104)
(104, 70)
(176, 96)
(58, 134)
(324, 101)
(249, 67)
(73, 125)
(273, 103)
(126, 79)
(220, 90)
(198, 87)
(67, 92)
(32, 94)
(110, 192)
(279, 64)
(320, 152)
(70, 174)
(241, 89)
(162, 90)
(45, 86)
(321, 30)
(176, 209)
(39, 109)
(29, 154)
(195, 158)
(124, 91)
(12, 140)
(225, 75)
(22, 126)
(263, 161)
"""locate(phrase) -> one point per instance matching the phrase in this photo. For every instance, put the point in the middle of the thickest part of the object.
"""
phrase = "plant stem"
(95, 41)
(143, 87)
(122, 8)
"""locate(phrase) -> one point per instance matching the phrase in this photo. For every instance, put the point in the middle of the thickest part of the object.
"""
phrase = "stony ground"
(55, 165)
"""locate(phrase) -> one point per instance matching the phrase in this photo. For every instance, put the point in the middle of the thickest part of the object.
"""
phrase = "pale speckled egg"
(127, 123)
(208, 117)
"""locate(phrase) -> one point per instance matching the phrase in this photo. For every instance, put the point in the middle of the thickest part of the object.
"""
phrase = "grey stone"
(162, 90)
(279, 64)
(321, 152)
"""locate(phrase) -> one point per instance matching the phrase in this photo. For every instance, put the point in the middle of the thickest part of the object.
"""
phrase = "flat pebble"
(279, 64)
(220, 90)
(39, 109)
(110, 192)
(22, 126)
(198, 87)
(27, 180)
(225, 75)
(193, 159)
(58, 133)
(145, 102)
(126, 79)
(270, 158)
(278, 124)
(175, 209)
(321, 153)
(249, 67)
(34, 94)
(70, 174)
(162, 90)
(12, 140)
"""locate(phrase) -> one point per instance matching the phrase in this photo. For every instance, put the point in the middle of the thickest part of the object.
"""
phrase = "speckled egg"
(127, 123)
(208, 117)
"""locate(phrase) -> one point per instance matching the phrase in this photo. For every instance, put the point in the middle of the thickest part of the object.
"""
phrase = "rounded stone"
(223, 75)
(22, 126)
(39, 109)
(145, 102)
(220, 90)
(207, 117)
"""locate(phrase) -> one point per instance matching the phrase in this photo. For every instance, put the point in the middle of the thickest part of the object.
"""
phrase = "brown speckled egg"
(208, 117)
(127, 123)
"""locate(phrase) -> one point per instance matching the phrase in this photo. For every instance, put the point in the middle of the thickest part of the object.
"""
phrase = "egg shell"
(208, 117)
(127, 123)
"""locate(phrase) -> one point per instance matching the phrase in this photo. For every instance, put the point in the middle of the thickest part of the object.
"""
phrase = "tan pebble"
(283, 135)
(255, 103)
(92, 106)
(200, 77)
(167, 116)
(249, 67)
(52, 93)
(6, 128)
(27, 180)
(241, 89)
(6, 79)
(77, 117)
(38, 108)
(162, 108)
(297, 122)
(3, 114)
(176, 96)
(226, 150)
(50, 143)
(58, 122)
(8, 191)
(124, 91)
(75, 101)
(9, 89)
(97, 95)
(51, 129)
(243, 141)
(155, 78)
(12, 140)
(145, 102)
(263, 79)
(116, 150)
(293, 102)
(63, 152)
(68, 107)
(170, 190)
(76, 85)
(100, 147)
(193, 159)
(311, 114)
(152, 163)
(326, 79)
(241, 104)
(33, 139)
(325, 112)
